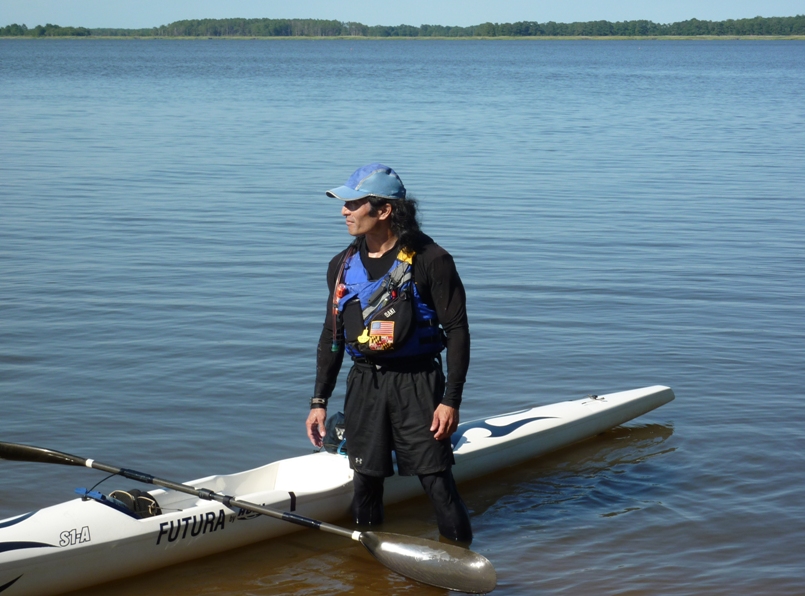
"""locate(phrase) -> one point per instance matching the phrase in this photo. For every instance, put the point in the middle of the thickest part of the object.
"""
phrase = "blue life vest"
(394, 321)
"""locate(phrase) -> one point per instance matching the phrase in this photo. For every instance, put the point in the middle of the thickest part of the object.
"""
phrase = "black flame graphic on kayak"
(9, 584)
(18, 545)
(496, 431)
(16, 520)
(9, 546)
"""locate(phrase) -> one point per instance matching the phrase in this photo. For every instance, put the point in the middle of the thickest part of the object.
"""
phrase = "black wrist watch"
(318, 402)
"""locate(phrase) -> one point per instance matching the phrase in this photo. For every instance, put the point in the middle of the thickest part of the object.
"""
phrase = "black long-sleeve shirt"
(439, 286)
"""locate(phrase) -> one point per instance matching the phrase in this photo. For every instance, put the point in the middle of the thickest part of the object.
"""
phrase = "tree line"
(44, 31)
(328, 28)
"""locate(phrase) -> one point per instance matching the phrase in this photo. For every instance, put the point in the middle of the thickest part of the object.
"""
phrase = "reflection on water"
(600, 477)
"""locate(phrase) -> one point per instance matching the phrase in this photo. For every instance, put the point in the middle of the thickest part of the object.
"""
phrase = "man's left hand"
(445, 422)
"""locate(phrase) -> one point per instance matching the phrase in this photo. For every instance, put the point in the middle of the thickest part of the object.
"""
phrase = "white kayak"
(89, 541)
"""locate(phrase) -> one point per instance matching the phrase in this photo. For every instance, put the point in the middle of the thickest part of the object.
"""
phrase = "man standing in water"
(396, 301)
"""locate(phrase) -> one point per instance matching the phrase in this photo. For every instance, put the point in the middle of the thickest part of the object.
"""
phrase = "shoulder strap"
(395, 279)
(351, 249)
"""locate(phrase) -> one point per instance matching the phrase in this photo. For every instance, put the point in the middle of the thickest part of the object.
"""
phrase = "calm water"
(622, 214)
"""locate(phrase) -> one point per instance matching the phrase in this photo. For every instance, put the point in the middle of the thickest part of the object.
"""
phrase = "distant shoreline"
(257, 28)
(473, 38)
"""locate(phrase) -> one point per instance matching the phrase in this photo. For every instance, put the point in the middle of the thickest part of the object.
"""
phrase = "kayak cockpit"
(136, 503)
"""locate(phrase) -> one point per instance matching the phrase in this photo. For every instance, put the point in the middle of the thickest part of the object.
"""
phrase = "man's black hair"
(404, 222)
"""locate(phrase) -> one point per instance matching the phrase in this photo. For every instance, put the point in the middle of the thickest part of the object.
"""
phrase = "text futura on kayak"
(385, 317)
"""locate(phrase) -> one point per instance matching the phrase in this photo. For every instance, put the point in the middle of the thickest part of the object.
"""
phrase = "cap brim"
(345, 193)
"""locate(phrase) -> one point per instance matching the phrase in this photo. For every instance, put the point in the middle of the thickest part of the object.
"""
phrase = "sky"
(133, 14)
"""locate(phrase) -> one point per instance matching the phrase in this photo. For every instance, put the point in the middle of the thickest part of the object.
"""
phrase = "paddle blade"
(433, 563)
(17, 452)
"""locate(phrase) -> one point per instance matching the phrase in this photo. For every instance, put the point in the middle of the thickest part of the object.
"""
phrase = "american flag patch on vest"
(382, 328)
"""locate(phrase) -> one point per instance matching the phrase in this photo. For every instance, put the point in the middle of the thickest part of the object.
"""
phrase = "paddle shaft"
(16, 452)
(231, 502)
(446, 566)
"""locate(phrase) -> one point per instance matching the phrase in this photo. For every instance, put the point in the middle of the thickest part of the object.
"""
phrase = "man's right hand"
(315, 426)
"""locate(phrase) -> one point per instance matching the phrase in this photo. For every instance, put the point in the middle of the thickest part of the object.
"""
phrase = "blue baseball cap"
(374, 180)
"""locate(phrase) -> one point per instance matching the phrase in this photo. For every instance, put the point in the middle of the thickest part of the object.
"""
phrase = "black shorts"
(392, 410)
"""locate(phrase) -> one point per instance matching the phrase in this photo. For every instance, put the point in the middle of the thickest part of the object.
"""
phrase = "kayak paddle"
(427, 561)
